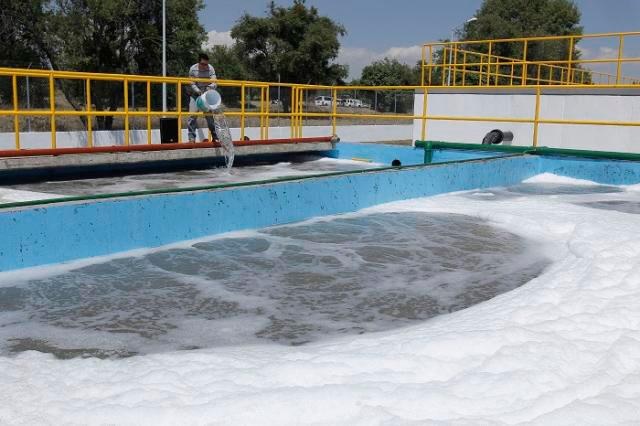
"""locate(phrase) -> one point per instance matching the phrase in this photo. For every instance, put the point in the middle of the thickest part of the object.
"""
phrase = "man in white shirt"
(200, 70)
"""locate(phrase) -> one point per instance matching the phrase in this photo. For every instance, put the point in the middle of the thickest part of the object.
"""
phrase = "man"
(200, 70)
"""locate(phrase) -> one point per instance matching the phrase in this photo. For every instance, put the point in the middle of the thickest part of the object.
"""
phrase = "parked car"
(323, 101)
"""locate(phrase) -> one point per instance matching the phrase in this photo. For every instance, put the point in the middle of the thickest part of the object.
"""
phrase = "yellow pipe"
(16, 107)
(179, 108)
(619, 64)
(242, 100)
(268, 111)
(536, 118)
(52, 108)
(126, 111)
(423, 132)
(334, 108)
(149, 113)
(88, 115)
(524, 67)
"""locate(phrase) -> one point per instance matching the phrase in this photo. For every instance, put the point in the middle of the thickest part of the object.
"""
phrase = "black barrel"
(169, 130)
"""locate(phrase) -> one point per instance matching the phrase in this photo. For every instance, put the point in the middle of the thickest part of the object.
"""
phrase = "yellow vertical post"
(52, 109)
(512, 72)
(261, 113)
(430, 63)
(538, 74)
(16, 117)
(464, 68)
(619, 64)
(89, 116)
(445, 65)
(550, 74)
(179, 108)
(149, 113)
(422, 67)
(570, 61)
(267, 111)
(242, 111)
(300, 111)
(454, 64)
(292, 111)
(423, 132)
(536, 118)
(489, 63)
(524, 64)
(334, 111)
(561, 75)
(126, 111)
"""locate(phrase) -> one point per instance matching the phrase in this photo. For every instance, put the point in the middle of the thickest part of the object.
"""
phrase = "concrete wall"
(355, 133)
(578, 105)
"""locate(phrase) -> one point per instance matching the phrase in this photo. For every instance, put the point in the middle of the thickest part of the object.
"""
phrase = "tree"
(498, 19)
(123, 36)
(293, 44)
(390, 72)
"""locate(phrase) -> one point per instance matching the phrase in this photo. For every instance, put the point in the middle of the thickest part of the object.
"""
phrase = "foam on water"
(302, 165)
(561, 349)
(289, 285)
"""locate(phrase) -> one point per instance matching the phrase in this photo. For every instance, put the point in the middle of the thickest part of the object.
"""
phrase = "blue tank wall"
(67, 231)
(62, 232)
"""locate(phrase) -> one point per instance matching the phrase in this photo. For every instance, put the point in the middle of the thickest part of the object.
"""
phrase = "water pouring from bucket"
(211, 102)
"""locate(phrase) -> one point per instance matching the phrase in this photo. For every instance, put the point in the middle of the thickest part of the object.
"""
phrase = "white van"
(323, 101)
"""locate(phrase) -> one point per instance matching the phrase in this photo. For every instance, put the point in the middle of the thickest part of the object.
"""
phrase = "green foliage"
(390, 72)
(293, 44)
(116, 36)
(497, 19)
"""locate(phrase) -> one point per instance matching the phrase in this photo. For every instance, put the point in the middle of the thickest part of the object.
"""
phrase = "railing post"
(126, 111)
(89, 115)
(16, 117)
(488, 64)
(464, 69)
(149, 113)
(454, 64)
(619, 63)
(570, 61)
(268, 111)
(292, 110)
(242, 111)
(524, 64)
(423, 133)
(422, 65)
(430, 63)
(52, 109)
(536, 118)
(179, 107)
(334, 110)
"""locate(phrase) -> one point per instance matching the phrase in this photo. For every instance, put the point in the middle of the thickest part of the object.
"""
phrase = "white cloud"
(601, 52)
(218, 38)
(358, 57)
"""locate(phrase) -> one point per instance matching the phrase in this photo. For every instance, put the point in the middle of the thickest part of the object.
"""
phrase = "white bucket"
(209, 101)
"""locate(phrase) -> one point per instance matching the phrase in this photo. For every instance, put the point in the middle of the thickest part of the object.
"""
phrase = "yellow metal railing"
(450, 63)
(89, 112)
(470, 71)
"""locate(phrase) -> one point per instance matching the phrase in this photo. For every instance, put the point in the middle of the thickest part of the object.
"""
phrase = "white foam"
(562, 349)
(557, 179)
(8, 195)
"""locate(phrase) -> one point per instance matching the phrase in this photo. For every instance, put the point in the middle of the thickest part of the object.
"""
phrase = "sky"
(398, 28)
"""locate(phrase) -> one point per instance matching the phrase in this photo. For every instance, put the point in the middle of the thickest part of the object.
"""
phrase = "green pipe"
(428, 152)
(542, 150)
